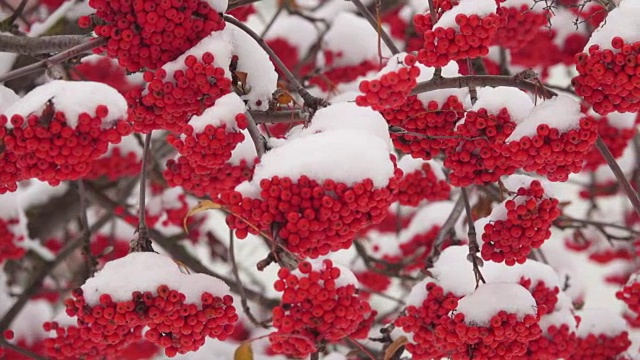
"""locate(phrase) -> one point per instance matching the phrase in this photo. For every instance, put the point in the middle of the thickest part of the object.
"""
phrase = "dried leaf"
(242, 77)
(283, 97)
(395, 346)
(203, 205)
(243, 352)
(182, 267)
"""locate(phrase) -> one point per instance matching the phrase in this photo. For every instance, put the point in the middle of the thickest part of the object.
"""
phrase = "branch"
(143, 243)
(617, 171)
(474, 248)
(483, 81)
(40, 45)
(258, 140)
(54, 60)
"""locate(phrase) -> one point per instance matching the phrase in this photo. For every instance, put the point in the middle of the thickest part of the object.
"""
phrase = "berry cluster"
(48, 148)
(607, 77)
(421, 184)
(391, 86)
(526, 224)
(615, 134)
(521, 26)
(551, 153)
(313, 219)
(558, 342)
(9, 172)
(477, 157)
(430, 127)
(209, 148)
(180, 172)
(467, 36)
(319, 303)
(103, 70)
(121, 160)
(175, 325)
(546, 297)
(630, 294)
(600, 346)
(171, 98)
(148, 34)
(334, 75)
(422, 319)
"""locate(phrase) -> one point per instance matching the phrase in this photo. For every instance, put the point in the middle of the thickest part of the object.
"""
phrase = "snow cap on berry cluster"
(410, 164)
(433, 214)
(495, 99)
(296, 30)
(516, 181)
(621, 121)
(453, 272)
(7, 98)
(621, 22)
(440, 96)
(246, 151)
(600, 321)
(224, 111)
(145, 271)
(127, 145)
(218, 43)
(353, 38)
(218, 5)
(346, 156)
(346, 276)
(9, 206)
(72, 98)
(262, 78)
(561, 112)
(346, 116)
(491, 298)
(466, 7)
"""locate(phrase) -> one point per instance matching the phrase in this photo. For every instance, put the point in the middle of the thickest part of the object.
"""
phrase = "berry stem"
(617, 171)
(54, 60)
(91, 260)
(143, 243)
(378, 27)
(310, 101)
(474, 247)
(236, 275)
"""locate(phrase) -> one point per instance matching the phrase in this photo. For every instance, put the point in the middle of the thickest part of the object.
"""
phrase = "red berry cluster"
(104, 70)
(49, 149)
(421, 321)
(171, 99)
(80, 342)
(180, 172)
(312, 219)
(318, 306)
(373, 280)
(546, 298)
(529, 216)
(471, 39)
(477, 157)
(558, 342)
(209, 148)
(607, 78)
(522, 25)
(334, 75)
(505, 337)
(176, 326)
(285, 51)
(600, 346)
(432, 125)
(630, 294)
(115, 164)
(616, 138)
(422, 184)
(419, 247)
(543, 51)
(551, 153)
(9, 172)
(392, 87)
(148, 34)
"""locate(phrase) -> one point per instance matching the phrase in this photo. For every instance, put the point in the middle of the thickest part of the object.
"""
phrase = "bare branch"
(483, 81)
(40, 45)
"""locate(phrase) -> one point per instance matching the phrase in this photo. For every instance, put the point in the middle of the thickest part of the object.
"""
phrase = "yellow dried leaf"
(203, 205)
(395, 346)
(243, 352)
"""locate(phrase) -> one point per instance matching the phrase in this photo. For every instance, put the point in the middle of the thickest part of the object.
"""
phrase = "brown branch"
(474, 248)
(40, 45)
(259, 141)
(143, 243)
(617, 171)
(482, 81)
(54, 60)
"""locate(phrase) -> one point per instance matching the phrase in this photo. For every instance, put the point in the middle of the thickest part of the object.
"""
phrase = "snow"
(410, 164)
(563, 25)
(219, 43)
(433, 214)
(7, 98)
(353, 37)
(561, 112)
(27, 325)
(246, 150)
(440, 96)
(467, 7)
(296, 30)
(39, 193)
(345, 156)
(558, 318)
(453, 272)
(419, 292)
(622, 121)
(40, 28)
(517, 102)
(224, 111)
(9, 208)
(73, 98)
(218, 5)
(489, 299)
(262, 78)
(519, 3)
(347, 116)
(127, 145)
(145, 271)
(622, 21)
(516, 181)
(600, 321)
(118, 228)
(380, 244)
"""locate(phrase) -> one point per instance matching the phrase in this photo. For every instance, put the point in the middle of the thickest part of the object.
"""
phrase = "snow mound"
(622, 21)
(246, 150)
(7, 98)
(467, 7)
(218, 43)
(517, 102)
(145, 271)
(600, 321)
(561, 112)
(433, 214)
(359, 45)
(489, 299)
(224, 111)
(296, 30)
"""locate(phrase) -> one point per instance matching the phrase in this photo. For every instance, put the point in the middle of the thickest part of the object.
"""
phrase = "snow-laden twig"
(54, 60)
(376, 25)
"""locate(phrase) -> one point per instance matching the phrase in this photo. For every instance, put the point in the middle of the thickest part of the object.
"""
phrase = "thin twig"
(236, 275)
(450, 222)
(474, 248)
(482, 81)
(92, 262)
(143, 243)
(617, 171)
(258, 140)
(376, 26)
(54, 60)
